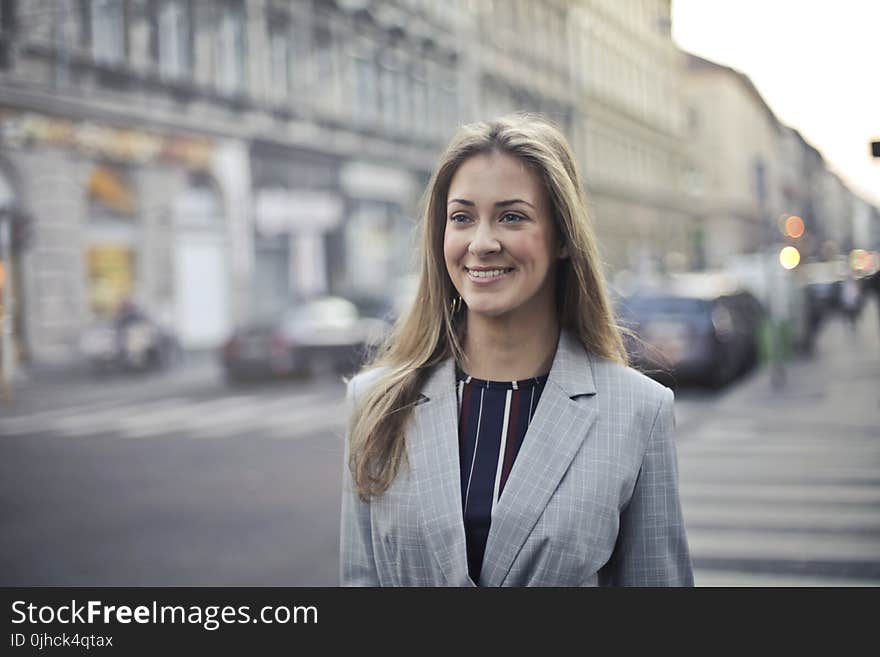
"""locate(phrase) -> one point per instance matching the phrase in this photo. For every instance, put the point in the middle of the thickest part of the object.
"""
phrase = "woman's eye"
(458, 218)
(510, 217)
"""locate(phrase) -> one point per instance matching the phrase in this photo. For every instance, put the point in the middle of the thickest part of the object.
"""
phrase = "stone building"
(211, 160)
(215, 159)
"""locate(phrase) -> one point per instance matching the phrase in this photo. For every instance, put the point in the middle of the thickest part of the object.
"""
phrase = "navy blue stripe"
(479, 454)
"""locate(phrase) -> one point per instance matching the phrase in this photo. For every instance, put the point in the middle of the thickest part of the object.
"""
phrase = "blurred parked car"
(128, 342)
(311, 337)
(822, 288)
(708, 338)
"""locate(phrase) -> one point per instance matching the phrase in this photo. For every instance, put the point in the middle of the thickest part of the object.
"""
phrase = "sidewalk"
(839, 383)
(47, 386)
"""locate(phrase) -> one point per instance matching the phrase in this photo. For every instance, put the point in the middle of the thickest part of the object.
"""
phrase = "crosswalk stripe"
(757, 499)
(723, 493)
(721, 578)
(220, 416)
(782, 515)
(736, 544)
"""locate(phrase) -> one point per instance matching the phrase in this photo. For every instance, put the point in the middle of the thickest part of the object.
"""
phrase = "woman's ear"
(562, 252)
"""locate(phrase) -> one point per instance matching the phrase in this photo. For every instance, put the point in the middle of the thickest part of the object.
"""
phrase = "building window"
(230, 43)
(326, 71)
(174, 32)
(449, 95)
(419, 99)
(108, 31)
(365, 91)
(280, 55)
(391, 95)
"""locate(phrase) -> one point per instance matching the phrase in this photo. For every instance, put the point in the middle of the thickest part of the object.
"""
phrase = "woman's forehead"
(490, 176)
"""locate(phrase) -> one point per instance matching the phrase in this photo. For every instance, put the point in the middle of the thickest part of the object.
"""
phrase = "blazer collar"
(570, 370)
(561, 422)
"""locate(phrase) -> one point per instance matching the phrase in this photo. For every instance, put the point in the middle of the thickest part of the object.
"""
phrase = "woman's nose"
(484, 240)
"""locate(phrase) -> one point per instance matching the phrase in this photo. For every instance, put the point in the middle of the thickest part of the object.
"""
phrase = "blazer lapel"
(560, 424)
(433, 453)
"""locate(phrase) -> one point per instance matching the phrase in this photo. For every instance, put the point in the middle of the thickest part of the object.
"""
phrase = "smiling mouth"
(488, 274)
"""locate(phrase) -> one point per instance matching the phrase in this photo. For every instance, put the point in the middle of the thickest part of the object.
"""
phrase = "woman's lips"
(486, 280)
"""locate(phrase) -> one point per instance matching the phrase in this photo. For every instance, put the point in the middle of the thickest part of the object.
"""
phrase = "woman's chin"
(487, 311)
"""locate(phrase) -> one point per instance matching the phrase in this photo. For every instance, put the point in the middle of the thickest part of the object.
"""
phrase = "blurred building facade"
(752, 172)
(214, 159)
(211, 160)
(734, 138)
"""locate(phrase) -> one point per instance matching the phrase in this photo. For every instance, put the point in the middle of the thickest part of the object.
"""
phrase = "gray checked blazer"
(592, 498)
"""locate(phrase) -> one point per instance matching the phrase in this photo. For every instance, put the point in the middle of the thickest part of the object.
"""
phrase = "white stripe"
(459, 391)
(531, 400)
(500, 465)
(474, 457)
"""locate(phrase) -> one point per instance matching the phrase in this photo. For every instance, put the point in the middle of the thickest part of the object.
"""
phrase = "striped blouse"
(492, 420)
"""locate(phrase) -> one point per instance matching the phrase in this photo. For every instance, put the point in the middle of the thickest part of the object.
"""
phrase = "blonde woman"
(499, 438)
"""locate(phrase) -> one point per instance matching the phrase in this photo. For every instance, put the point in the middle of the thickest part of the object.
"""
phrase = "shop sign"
(285, 211)
(125, 145)
(364, 180)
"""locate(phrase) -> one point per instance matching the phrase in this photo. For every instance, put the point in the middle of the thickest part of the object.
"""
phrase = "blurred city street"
(198, 197)
(178, 479)
(781, 487)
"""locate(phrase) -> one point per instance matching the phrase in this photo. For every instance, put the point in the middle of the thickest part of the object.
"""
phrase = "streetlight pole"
(772, 330)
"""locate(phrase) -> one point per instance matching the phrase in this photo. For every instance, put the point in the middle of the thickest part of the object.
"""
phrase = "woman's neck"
(503, 350)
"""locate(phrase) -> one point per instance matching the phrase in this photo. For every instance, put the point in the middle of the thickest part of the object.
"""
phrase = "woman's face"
(500, 243)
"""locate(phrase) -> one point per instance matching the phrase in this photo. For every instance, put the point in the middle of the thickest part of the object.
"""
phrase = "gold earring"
(456, 304)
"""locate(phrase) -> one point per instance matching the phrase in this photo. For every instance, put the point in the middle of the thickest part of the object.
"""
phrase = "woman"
(499, 439)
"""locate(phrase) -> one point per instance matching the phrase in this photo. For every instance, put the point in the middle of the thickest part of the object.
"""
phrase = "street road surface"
(181, 481)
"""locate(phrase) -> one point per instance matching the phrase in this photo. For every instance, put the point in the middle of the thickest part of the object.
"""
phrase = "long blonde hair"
(432, 331)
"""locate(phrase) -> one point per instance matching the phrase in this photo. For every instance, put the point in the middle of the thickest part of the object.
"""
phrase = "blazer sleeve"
(357, 566)
(652, 548)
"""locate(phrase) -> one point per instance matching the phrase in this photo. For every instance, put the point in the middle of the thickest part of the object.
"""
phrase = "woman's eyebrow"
(499, 204)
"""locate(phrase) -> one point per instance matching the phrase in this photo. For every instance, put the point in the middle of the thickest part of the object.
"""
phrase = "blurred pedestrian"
(849, 299)
(499, 437)
(872, 284)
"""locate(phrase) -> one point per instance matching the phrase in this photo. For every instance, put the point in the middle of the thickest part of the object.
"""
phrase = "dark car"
(709, 339)
(311, 337)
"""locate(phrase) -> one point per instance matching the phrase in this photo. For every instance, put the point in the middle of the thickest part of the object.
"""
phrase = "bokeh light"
(794, 226)
(789, 257)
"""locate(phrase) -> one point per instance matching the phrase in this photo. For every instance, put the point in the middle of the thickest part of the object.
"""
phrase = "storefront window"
(110, 252)
(110, 270)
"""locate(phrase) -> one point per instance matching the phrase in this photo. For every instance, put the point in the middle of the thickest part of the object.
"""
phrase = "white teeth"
(487, 274)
